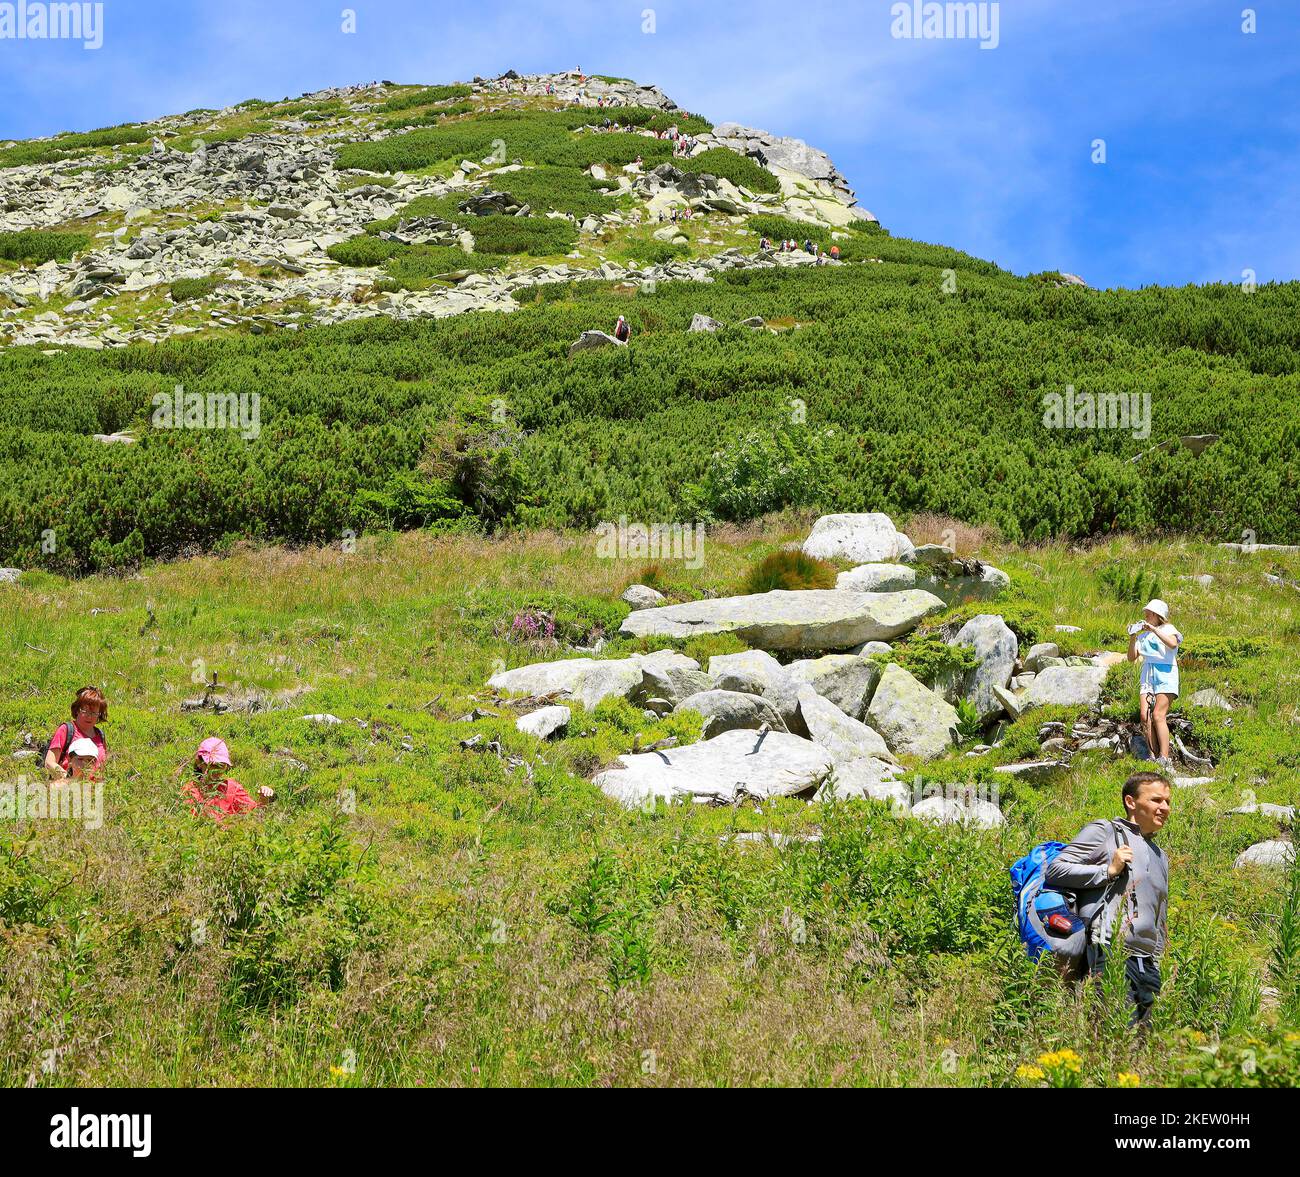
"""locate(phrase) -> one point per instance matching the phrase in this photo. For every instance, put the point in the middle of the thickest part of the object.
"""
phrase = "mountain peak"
(392, 199)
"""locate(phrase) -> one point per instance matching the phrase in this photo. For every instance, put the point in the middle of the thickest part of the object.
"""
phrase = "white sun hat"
(84, 747)
(1157, 606)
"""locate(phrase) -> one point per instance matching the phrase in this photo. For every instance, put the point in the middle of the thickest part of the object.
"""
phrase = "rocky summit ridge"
(244, 204)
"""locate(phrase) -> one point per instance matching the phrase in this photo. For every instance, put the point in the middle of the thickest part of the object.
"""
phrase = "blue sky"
(988, 150)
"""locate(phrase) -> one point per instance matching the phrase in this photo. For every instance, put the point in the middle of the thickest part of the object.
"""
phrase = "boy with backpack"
(1071, 898)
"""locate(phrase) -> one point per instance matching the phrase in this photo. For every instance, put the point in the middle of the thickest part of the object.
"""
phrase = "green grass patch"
(41, 245)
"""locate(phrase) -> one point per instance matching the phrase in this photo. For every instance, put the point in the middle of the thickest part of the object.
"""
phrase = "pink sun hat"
(213, 751)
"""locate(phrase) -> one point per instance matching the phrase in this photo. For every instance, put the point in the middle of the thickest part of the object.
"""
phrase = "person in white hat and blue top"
(1156, 642)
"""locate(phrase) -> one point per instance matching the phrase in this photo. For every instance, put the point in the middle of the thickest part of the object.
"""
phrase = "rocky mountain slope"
(225, 219)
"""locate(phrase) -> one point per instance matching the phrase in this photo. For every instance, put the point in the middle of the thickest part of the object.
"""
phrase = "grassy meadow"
(409, 912)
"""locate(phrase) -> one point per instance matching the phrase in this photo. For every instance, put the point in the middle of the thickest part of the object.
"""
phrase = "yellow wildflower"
(1128, 1079)
(1065, 1060)
(1031, 1073)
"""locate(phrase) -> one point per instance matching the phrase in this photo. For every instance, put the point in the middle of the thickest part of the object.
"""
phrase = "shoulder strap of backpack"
(64, 757)
(1121, 838)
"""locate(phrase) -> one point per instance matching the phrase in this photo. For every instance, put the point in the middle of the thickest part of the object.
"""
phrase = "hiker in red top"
(89, 708)
(621, 330)
(835, 253)
(217, 794)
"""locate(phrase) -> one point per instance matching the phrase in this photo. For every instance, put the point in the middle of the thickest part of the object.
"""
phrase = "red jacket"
(230, 797)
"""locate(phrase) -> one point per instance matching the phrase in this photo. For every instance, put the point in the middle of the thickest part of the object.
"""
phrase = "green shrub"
(731, 165)
(420, 266)
(1133, 587)
(409, 500)
(477, 455)
(930, 659)
(760, 472)
(656, 253)
(41, 245)
(1204, 652)
(62, 146)
(426, 96)
(290, 912)
(188, 289)
(557, 189)
(789, 570)
(365, 250)
(539, 236)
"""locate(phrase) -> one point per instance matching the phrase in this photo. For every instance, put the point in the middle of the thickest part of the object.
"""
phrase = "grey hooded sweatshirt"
(1081, 868)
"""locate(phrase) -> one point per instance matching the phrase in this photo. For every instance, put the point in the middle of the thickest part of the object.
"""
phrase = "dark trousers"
(1143, 974)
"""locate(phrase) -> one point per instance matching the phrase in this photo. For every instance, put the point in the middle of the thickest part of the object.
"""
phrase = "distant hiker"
(89, 708)
(210, 791)
(835, 253)
(621, 330)
(1123, 852)
(807, 245)
(1156, 642)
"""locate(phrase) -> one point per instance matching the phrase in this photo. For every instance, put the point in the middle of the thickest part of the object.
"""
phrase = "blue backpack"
(1045, 919)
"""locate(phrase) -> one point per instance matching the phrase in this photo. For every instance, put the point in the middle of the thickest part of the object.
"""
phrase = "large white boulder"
(864, 539)
(541, 678)
(590, 680)
(950, 811)
(767, 764)
(784, 619)
(914, 720)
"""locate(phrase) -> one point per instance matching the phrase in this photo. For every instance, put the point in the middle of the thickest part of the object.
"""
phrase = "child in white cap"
(83, 759)
(1156, 642)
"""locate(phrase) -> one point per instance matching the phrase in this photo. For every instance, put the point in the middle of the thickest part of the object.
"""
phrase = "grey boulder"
(641, 596)
(725, 711)
(1067, 686)
(847, 680)
(877, 578)
(996, 648)
(589, 340)
(1272, 855)
(756, 672)
(913, 719)
(843, 737)
(543, 722)
(784, 619)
